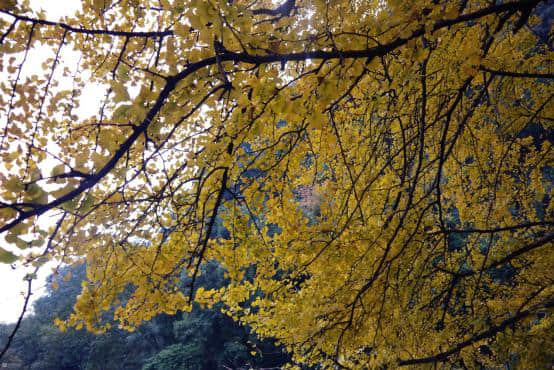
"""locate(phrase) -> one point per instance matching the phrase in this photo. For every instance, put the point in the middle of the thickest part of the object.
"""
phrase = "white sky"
(13, 287)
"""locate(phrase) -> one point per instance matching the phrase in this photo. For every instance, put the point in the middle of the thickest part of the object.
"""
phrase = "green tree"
(202, 339)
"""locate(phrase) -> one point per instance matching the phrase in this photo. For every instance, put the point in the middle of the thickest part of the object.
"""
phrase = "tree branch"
(283, 10)
(443, 356)
(517, 74)
(87, 31)
(494, 230)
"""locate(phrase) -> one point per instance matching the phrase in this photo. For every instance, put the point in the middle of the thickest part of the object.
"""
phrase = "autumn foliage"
(383, 170)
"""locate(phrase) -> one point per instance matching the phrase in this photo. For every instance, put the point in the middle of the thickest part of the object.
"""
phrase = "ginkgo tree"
(418, 132)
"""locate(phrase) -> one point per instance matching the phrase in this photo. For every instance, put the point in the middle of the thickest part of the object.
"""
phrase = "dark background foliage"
(202, 339)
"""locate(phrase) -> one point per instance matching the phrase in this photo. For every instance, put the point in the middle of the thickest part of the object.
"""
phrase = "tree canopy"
(374, 176)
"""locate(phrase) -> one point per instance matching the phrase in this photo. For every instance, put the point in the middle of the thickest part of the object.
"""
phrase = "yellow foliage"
(384, 170)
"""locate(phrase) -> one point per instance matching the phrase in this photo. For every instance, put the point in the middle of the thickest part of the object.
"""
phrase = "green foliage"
(201, 339)
(177, 357)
